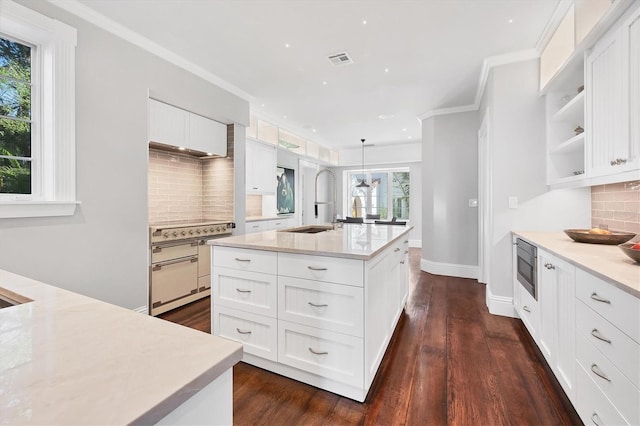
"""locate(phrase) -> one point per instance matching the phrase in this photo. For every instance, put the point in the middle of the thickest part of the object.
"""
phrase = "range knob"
(198, 231)
(165, 234)
(190, 231)
(217, 229)
(175, 233)
(211, 229)
(183, 233)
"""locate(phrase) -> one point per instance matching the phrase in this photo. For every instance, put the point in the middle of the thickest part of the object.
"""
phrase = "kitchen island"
(320, 307)
(69, 359)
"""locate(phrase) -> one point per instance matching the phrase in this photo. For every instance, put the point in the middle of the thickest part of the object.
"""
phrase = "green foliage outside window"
(15, 117)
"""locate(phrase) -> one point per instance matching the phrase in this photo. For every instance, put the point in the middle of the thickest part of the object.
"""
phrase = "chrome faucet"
(334, 218)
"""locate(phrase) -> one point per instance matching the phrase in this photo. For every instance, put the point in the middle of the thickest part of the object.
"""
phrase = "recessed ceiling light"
(284, 116)
(386, 70)
(364, 22)
(386, 116)
(510, 21)
(262, 105)
(410, 137)
(324, 82)
(287, 45)
(404, 130)
(313, 130)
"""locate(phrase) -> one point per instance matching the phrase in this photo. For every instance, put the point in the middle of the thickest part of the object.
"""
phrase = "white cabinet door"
(207, 135)
(167, 124)
(556, 284)
(630, 42)
(260, 168)
(604, 106)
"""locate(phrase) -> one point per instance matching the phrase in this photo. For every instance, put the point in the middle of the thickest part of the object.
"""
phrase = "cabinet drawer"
(331, 355)
(592, 406)
(623, 352)
(620, 308)
(333, 307)
(162, 253)
(258, 334)
(248, 291)
(259, 226)
(246, 260)
(320, 268)
(620, 391)
(529, 313)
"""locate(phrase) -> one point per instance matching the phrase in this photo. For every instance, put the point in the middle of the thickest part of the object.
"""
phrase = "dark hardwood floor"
(450, 362)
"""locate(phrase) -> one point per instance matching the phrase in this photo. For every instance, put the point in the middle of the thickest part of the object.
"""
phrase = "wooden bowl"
(633, 254)
(583, 236)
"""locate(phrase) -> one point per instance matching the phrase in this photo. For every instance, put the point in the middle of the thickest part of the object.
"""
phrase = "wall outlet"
(513, 202)
(473, 202)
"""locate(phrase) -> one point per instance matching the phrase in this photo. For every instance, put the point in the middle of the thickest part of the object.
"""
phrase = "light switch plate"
(473, 202)
(513, 202)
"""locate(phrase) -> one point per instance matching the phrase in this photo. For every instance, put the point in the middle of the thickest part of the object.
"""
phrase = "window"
(37, 114)
(387, 194)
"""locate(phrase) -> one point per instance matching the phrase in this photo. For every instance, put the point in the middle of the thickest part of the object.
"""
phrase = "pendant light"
(363, 182)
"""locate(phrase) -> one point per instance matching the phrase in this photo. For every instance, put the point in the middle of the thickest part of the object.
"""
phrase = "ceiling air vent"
(341, 58)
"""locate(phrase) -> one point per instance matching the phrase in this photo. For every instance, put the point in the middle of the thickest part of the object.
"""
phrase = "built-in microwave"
(527, 259)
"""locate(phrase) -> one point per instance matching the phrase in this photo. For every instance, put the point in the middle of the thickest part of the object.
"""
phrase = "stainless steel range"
(180, 261)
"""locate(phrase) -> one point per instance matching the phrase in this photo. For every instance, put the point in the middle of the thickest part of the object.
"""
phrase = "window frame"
(52, 113)
(368, 173)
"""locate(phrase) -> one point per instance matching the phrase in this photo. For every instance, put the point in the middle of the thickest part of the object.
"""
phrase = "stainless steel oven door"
(526, 267)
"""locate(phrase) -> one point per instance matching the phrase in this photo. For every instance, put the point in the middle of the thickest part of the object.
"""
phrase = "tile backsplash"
(182, 187)
(254, 205)
(617, 206)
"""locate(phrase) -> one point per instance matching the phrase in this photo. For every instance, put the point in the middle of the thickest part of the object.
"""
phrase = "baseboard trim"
(142, 310)
(415, 243)
(500, 305)
(449, 269)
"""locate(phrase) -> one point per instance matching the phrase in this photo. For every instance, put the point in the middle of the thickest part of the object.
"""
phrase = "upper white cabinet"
(587, 14)
(559, 48)
(260, 168)
(613, 75)
(172, 126)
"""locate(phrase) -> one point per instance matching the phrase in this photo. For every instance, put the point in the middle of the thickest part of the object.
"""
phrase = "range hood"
(183, 150)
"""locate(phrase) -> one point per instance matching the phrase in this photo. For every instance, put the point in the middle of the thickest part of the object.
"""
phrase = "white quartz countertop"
(353, 241)
(607, 262)
(69, 359)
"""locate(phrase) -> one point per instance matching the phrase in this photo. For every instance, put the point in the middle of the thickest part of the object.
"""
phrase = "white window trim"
(56, 43)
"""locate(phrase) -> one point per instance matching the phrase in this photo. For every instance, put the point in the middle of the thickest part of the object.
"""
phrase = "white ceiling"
(433, 50)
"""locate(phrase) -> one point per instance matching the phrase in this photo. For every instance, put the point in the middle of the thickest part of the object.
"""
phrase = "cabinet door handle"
(318, 353)
(595, 333)
(402, 262)
(595, 416)
(243, 331)
(239, 290)
(314, 268)
(597, 298)
(596, 370)
(324, 305)
(526, 309)
(238, 259)
(396, 250)
(549, 266)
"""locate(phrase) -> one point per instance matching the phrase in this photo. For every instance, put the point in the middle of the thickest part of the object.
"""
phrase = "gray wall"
(102, 251)
(449, 180)
(517, 137)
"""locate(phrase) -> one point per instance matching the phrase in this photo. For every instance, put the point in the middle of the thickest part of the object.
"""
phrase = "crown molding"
(444, 111)
(76, 8)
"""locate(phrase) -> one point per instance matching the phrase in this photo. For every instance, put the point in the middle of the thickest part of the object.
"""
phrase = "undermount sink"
(9, 299)
(308, 229)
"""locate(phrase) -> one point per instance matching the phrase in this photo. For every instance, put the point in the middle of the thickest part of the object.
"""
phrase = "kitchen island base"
(325, 320)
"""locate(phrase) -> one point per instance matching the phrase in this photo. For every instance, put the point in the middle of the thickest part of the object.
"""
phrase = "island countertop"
(352, 241)
(70, 359)
(605, 261)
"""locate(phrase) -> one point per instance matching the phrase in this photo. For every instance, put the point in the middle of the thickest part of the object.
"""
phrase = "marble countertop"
(69, 359)
(353, 241)
(604, 261)
(263, 218)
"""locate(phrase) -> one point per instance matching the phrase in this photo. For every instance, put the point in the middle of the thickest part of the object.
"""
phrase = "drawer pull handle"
(595, 416)
(243, 331)
(406, 241)
(324, 305)
(238, 259)
(239, 290)
(595, 333)
(318, 353)
(596, 370)
(313, 268)
(597, 298)
(406, 252)
(526, 309)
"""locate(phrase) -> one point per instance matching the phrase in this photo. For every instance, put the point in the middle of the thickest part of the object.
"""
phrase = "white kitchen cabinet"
(556, 301)
(207, 135)
(172, 126)
(260, 168)
(167, 124)
(613, 106)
